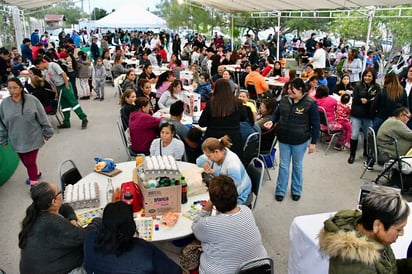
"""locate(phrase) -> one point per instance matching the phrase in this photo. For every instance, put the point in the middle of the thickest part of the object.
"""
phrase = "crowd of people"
(353, 102)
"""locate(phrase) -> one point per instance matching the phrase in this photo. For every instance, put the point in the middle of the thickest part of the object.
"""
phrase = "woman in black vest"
(297, 120)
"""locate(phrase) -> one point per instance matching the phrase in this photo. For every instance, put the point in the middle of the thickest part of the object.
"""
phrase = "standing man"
(68, 101)
(76, 38)
(35, 37)
(319, 57)
(26, 52)
(311, 45)
(94, 50)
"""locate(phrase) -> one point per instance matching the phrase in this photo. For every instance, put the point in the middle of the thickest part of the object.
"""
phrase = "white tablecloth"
(304, 255)
(183, 226)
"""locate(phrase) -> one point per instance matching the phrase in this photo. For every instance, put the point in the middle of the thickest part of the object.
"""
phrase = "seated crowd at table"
(241, 91)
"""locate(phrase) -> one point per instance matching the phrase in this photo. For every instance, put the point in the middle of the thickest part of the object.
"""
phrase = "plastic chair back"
(255, 170)
(251, 148)
(263, 265)
(70, 176)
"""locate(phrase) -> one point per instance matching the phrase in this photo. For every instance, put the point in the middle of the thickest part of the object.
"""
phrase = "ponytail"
(211, 143)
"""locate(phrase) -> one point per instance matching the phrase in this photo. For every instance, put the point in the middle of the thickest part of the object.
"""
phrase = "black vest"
(294, 125)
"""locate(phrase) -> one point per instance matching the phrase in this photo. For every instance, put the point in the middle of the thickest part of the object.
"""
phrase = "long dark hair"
(163, 78)
(23, 96)
(223, 103)
(174, 84)
(116, 235)
(42, 196)
(74, 61)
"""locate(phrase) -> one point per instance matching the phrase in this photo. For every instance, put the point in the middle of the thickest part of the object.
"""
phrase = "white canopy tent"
(234, 6)
(131, 16)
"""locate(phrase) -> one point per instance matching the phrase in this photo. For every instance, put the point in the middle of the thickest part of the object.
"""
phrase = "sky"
(108, 5)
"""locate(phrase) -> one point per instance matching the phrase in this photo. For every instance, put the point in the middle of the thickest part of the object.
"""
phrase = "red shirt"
(143, 130)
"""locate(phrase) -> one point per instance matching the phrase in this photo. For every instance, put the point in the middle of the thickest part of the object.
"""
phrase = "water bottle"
(109, 191)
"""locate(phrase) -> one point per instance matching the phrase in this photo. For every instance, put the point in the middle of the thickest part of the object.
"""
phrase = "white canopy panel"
(31, 4)
(279, 5)
(131, 16)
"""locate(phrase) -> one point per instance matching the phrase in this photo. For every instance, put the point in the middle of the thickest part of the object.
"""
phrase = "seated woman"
(218, 159)
(343, 86)
(167, 144)
(163, 83)
(320, 73)
(42, 90)
(226, 75)
(277, 69)
(115, 249)
(267, 107)
(311, 86)
(204, 87)
(172, 95)
(327, 102)
(244, 97)
(359, 241)
(229, 238)
(145, 90)
(51, 241)
(127, 102)
(269, 66)
(148, 74)
(143, 127)
(118, 68)
(130, 81)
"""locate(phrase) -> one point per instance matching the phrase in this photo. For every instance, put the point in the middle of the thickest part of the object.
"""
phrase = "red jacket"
(143, 130)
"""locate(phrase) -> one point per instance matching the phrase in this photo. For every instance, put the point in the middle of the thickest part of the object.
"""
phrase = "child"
(99, 77)
(83, 73)
(343, 118)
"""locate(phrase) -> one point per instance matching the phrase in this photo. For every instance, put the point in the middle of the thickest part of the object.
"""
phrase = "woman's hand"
(207, 168)
(75, 223)
(364, 100)
(208, 206)
(312, 148)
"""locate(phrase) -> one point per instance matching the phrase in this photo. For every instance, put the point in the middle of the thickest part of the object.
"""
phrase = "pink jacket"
(329, 104)
(143, 130)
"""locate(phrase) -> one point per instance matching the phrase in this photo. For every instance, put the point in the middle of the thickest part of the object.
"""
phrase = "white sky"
(108, 5)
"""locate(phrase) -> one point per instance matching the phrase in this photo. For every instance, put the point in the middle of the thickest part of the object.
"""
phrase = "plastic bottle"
(184, 190)
(109, 191)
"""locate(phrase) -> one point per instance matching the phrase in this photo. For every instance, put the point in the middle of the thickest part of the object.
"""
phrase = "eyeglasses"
(57, 194)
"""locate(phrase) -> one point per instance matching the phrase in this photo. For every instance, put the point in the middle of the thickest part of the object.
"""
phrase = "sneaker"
(279, 198)
(338, 147)
(97, 98)
(369, 167)
(101, 99)
(347, 145)
(295, 197)
(28, 180)
(84, 123)
(63, 126)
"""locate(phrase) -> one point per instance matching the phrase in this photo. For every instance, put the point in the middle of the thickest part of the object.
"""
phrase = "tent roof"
(31, 4)
(279, 5)
(131, 16)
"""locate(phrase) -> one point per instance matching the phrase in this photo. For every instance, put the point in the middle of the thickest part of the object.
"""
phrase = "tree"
(98, 13)
(67, 8)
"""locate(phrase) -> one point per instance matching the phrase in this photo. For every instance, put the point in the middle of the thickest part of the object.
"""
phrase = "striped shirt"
(227, 240)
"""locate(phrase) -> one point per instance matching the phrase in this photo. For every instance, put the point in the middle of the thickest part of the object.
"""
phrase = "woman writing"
(145, 90)
(230, 237)
(148, 74)
(50, 240)
(297, 119)
(130, 81)
(115, 249)
(223, 114)
(118, 68)
(167, 144)
(359, 241)
(163, 83)
(127, 102)
(361, 115)
(24, 121)
(218, 159)
(343, 86)
(143, 127)
(172, 95)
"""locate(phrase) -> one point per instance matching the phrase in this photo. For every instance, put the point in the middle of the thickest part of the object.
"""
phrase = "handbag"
(190, 257)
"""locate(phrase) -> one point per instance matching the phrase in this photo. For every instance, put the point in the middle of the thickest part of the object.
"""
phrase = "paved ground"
(330, 183)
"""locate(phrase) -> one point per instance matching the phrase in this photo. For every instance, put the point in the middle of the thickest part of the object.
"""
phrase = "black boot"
(365, 148)
(353, 147)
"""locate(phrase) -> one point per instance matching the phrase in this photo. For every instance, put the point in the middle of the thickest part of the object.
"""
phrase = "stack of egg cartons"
(82, 195)
(160, 166)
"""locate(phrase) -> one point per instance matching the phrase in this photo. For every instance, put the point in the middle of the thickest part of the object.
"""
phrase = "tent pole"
(370, 17)
(278, 36)
(232, 32)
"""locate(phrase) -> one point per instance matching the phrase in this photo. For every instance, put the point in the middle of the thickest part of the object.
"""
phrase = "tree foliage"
(71, 12)
(98, 13)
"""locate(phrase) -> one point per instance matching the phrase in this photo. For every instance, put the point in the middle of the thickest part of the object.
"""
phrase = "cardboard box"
(157, 201)
(192, 103)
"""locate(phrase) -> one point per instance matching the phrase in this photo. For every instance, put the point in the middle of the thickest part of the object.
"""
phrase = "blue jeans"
(357, 124)
(288, 152)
